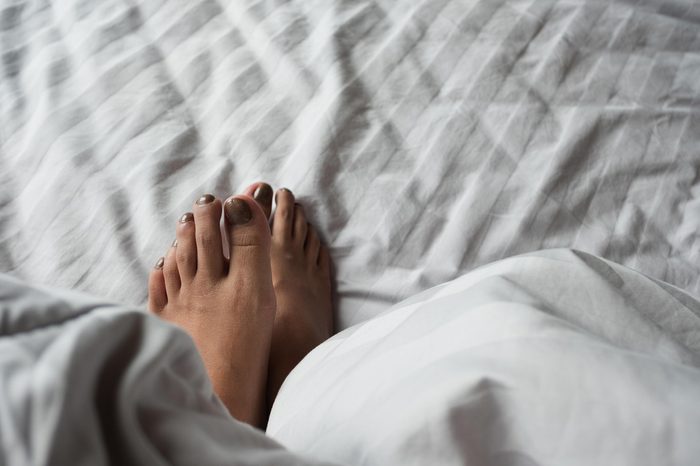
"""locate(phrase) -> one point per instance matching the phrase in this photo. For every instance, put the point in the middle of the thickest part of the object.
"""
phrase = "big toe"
(283, 222)
(263, 196)
(248, 237)
(262, 193)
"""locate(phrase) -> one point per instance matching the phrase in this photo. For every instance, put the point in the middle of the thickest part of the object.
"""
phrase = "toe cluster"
(198, 253)
(201, 252)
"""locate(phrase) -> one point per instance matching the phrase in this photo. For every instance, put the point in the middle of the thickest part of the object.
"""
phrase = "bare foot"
(228, 307)
(301, 277)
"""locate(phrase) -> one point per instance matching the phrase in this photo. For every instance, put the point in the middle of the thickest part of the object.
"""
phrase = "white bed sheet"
(425, 138)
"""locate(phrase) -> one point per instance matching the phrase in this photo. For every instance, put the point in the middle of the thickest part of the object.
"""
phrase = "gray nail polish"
(237, 212)
(285, 190)
(263, 194)
(206, 199)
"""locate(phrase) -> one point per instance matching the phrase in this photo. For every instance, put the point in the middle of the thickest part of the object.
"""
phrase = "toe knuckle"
(169, 265)
(185, 258)
(243, 239)
(206, 239)
(286, 213)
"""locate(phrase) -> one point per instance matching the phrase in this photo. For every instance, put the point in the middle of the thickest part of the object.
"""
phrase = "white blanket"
(425, 137)
(85, 382)
(556, 358)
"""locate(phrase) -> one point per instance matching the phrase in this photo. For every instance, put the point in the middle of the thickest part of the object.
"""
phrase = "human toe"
(283, 220)
(263, 196)
(300, 225)
(312, 245)
(186, 247)
(171, 273)
(246, 224)
(262, 193)
(207, 218)
(324, 260)
(157, 297)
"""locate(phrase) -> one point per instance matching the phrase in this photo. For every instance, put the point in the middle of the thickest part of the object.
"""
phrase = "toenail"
(174, 243)
(206, 199)
(263, 194)
(237, 212)
(188, 217)
(282, 189)
(159, 264)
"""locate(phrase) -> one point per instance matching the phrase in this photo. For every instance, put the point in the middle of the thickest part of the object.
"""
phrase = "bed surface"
(425, 138)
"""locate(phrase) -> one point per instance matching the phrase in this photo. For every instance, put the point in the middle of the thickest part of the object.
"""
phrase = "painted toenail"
(174, 243)
(206, 199)
(237, 212)
(282, 189)
(188, 217)
(159, 264)
(263, 194)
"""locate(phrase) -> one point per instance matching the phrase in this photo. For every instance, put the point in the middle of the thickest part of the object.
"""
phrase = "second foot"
(301, 275)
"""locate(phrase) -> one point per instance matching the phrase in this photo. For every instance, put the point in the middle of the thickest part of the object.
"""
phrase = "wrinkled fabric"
(425, 138)
(85, 382)
(551, 358)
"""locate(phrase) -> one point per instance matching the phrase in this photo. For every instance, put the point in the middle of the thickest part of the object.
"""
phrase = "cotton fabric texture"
(424, 138)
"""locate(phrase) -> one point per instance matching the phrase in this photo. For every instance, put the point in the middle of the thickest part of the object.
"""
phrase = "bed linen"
(87, 382)
(552, 358)
(425, 138)
(504, 366)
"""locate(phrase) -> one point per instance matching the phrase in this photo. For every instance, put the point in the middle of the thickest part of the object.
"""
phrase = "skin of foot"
(301, 275)
(226, 305)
